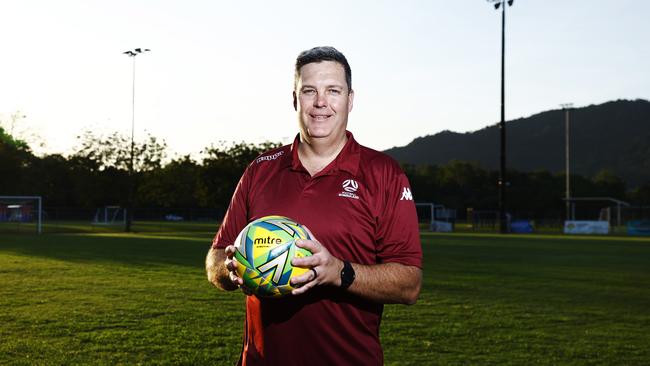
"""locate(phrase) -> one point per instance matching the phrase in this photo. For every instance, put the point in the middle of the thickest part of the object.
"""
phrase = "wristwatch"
(347, 275)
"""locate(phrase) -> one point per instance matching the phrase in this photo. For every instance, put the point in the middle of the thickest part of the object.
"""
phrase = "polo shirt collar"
(347, 160)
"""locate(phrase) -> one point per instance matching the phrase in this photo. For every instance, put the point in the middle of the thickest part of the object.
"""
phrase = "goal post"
(22, 209)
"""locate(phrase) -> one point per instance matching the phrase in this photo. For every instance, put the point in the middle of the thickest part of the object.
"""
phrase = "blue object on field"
(521, 227)
(638, 227)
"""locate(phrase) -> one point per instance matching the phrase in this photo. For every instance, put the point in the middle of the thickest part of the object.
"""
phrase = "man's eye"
(335, 91)
(308, 92)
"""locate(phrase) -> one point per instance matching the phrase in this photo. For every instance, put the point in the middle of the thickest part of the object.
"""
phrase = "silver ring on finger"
(313, 270)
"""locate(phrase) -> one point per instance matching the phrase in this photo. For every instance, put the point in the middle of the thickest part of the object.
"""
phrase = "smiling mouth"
(319, 117)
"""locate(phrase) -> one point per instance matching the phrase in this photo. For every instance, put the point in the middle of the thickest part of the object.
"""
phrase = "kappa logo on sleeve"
(269, 157)
(406, 195)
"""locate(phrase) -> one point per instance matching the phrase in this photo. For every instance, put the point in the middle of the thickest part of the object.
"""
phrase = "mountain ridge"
(612, 136)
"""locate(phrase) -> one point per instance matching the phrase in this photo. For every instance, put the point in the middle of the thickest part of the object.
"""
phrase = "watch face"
(347, 275)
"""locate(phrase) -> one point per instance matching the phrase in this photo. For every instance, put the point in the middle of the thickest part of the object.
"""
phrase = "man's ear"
(350, 100)
(295, 102)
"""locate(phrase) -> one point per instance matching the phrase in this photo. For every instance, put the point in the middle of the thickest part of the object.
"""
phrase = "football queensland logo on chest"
(350, 187)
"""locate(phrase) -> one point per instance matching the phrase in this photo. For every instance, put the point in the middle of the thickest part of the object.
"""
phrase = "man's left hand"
(325, 269)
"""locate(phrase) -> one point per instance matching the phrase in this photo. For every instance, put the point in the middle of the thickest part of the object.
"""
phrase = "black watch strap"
(347, 275)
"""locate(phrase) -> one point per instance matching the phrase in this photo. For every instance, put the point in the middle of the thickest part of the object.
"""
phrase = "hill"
(612, 136)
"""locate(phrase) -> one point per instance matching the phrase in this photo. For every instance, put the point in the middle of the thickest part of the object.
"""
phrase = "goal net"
(21, 214)
(110, 215)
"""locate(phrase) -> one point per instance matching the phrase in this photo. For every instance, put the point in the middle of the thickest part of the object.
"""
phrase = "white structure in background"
(605, 220)
(110, 215)
(22, 209)
(437, 217)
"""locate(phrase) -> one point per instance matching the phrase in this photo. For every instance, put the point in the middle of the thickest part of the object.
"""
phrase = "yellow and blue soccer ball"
(265, 248)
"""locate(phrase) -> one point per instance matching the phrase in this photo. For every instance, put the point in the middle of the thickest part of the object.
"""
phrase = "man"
(357, 203)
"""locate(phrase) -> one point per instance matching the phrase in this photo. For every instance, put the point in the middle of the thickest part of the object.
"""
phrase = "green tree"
(49, 177)
(114, 151)
(641, 195)
(222, 168)
(15, 157)
(174, 185)
(122, 162)
(609, 184)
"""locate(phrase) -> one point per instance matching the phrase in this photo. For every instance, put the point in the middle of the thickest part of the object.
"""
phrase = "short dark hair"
(318, 54)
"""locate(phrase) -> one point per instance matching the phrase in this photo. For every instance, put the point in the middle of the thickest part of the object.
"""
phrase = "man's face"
(322, 101)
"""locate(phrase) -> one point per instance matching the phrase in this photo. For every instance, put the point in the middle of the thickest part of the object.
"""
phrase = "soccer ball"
(265, 248)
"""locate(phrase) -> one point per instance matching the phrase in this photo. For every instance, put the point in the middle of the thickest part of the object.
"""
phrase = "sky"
(223, 70)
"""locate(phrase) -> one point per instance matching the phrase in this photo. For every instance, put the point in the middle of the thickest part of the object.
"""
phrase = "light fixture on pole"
(567, 108)
(503, 224)
(129, 213)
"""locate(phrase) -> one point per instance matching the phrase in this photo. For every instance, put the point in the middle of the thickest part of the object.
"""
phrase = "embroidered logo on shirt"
(269, 157)
(350, 186)
(406, 195)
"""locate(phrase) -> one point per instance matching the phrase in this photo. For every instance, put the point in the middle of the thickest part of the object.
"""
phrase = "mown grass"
(111, 298)
(525, 300)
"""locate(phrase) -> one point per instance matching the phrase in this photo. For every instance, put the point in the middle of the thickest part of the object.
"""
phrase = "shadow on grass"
(140, 250)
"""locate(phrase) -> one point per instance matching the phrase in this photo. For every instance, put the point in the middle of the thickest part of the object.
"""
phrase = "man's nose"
(320, 100)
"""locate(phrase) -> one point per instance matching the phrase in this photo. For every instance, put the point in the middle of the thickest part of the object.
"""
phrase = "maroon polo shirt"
(361, 209)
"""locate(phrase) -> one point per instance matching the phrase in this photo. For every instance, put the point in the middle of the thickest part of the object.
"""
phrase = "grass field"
(110, 298)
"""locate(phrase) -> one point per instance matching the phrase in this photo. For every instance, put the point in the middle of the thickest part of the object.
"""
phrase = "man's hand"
(231, 265)
(399, 283)
(325, 268)
(221, 267)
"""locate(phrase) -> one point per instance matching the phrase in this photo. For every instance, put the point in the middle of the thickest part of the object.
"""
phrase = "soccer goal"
(435, 217)
(21, 213)
(110, 215)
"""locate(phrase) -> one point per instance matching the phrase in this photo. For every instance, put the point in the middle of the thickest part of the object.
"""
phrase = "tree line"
(538, 194)
(97, 173)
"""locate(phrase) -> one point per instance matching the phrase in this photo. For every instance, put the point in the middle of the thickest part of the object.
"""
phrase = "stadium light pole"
(129, 210)
(567, 108)
(503, 224)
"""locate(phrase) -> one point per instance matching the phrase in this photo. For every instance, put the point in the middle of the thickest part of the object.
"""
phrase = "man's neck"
(318, 153)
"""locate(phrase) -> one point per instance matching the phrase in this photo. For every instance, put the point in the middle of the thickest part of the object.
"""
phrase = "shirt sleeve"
(236, 217)
(399, 236)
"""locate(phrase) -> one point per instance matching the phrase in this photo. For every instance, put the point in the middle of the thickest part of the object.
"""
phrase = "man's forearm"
(387, 283)
(216, 270)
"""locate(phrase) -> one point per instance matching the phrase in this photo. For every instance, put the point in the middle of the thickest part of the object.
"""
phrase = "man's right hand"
(220, 266)
(231, 265)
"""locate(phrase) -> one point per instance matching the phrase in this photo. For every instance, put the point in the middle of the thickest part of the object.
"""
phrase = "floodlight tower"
(567, 109)
(129, 213)
(503, 224)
